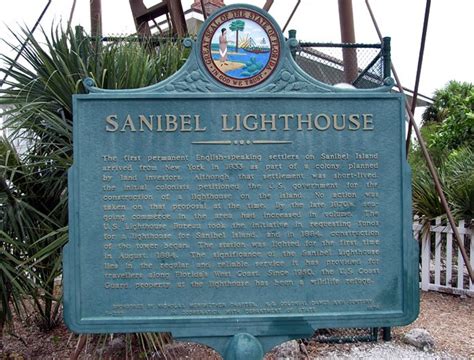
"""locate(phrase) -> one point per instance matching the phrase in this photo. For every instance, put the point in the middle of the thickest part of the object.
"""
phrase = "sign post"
(239, 203)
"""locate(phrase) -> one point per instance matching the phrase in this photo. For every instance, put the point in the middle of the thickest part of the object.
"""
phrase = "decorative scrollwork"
(191, 82)
(291, 81)
(89, 84)
(188, 43)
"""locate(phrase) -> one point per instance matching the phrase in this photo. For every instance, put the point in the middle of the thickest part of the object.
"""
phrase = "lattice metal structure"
(370, 63)
(350, 335)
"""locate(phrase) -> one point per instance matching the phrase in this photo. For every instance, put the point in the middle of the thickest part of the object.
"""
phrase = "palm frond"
(36, 154)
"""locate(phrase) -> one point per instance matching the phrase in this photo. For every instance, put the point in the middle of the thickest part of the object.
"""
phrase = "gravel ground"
(384, 351)
(366, 351)
(449, 319)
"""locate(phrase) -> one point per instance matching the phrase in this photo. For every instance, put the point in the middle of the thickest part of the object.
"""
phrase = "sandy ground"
(228, 65)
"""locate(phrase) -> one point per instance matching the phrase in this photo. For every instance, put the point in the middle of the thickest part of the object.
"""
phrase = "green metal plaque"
(240, 196)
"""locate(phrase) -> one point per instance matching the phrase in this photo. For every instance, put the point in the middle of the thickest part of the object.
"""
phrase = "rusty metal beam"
(148, 14)
(349, 55)
(291, 15)
(418, 70)
(138, 9)
(96, 18)
(268, 5)
(203, 8)
(177, 17)
(429, 161)
(142, 15)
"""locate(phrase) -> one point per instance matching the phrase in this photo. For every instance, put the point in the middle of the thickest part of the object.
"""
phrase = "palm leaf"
(33, 172)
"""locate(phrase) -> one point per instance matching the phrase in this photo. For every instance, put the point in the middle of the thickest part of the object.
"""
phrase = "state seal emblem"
(240, 47)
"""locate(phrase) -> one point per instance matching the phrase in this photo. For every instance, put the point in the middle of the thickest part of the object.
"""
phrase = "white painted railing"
(442, 265)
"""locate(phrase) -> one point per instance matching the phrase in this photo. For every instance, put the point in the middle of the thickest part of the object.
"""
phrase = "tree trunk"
(237, 41)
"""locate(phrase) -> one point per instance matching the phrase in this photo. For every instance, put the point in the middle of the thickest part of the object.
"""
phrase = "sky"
(448, 56)
(250, 27)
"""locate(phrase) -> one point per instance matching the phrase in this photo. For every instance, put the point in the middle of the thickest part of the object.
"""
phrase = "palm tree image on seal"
(237, 25)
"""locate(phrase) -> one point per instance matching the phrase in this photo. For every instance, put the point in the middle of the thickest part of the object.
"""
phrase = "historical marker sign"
(205, 208)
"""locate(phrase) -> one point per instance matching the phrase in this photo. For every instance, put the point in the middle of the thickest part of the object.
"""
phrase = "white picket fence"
(442, 265)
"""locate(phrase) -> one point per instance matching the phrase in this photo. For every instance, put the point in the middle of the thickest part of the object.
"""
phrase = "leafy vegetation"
(448, 129)
(37, 151)
(452, 115)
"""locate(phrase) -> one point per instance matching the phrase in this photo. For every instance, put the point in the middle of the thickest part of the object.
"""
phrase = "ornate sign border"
(241, 14)
(281, 87)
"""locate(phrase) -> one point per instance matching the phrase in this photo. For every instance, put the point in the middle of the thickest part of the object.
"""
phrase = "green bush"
(33, 176)
(448, 130)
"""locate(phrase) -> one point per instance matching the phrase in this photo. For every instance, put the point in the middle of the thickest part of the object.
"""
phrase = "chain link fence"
(363, 66)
